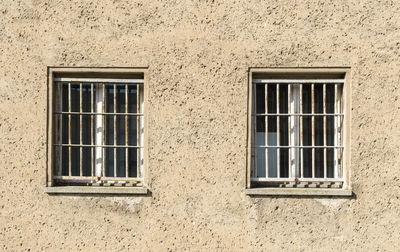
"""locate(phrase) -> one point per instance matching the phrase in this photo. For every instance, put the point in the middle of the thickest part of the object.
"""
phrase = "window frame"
(93, 73)
(301, 74)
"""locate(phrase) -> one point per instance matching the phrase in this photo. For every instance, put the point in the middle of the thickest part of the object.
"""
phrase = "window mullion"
(290, 131)
(99, 129)
(266, 130)
(278, 161)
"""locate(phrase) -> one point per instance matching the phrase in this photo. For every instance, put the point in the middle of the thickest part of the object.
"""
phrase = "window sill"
(95, 190)
(298, 192)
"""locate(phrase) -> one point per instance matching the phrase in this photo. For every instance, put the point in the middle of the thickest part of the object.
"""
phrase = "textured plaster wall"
(198, 54)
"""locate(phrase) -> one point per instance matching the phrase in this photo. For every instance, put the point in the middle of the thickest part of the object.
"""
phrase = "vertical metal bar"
(126, 130)
(301, 132)
(324, 136)
(278, 161)
(289, 87)
(335, 143)
(69, 129)
(115, 130)
(313, 130)
(91, 131)
(80, 131)
(266, 130)
(103, 102)
(339, 134)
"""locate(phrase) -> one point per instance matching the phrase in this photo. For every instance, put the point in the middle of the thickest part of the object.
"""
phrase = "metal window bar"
(296, 130)
(97, 134)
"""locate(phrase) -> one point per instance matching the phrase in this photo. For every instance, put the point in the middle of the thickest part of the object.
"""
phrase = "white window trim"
(317, 75)
(53, 72)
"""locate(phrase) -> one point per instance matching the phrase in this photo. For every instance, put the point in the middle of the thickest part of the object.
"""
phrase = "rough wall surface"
(198, 54)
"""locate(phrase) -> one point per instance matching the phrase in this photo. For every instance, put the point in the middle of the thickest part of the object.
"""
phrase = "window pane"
(260, 130)
(307, 156)
(330, 160)
(132, 162)
(109, 98)
(318, 98)
(260, 162)
(109, 162)
(319, 163)
(132, 130)
(65, 161)
(272, 136)
(260, 98)
(271, 91)
(86, 97)
(86, 129)
(132, 98)
(75, 161)
(109, 129)
(121, 130)
(121, 162)
(75, 97)
(86, 161)
(75, 128)
(283, 98)
(272, 162)
(120, 88)
(319, 130)
(330, 98)
(284, 163)
(283, 130)
(64, 129)
(306, 98)
(64, 97)
(330, 130)
(307, 131)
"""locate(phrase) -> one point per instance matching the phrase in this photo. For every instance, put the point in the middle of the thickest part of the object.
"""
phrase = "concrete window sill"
(298, 192)
(95, 190)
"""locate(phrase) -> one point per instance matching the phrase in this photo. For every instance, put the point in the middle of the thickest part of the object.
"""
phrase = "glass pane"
(330, 162)
(75, 98)
(319, 163)
(120, 88)
(272, 136)
(283, 98)
(260, 162)
(109, 162)
(260, 130)
(65, 162)
(132, 99)
(307, 131)
(284, 131)
(86, 97)
(319, 130)
(109, 98)
(132, 162)
(86, 129)
(75, 128)
(306, 98)
(121, 130)
(260, 98)
(109, 129)
(284, 163)
(330, 98)
(272, 163)
(121, 162)
(86, 161)
(318, 98)
(75, 161)
(307, 156)
(64, 97)
(330, 130)
(271, 91)
(132, 130)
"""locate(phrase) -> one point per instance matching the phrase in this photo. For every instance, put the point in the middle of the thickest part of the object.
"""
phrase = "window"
(298, 129)
(97, 128)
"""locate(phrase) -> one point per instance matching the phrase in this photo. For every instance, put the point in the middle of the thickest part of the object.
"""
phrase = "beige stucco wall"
(198, 54)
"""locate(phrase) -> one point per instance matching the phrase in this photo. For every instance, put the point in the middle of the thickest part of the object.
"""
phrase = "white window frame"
(293, 76)
(98, 77)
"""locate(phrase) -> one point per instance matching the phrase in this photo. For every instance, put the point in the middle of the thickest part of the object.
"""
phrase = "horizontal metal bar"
(296, 81)
(297, 179)
(93, 146)
(298, 114)
(96, 178)
(302, 147)
(100, 80)
(95, 113)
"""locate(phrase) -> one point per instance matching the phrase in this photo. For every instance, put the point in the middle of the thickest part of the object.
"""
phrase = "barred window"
(98, 131)
(297, 132)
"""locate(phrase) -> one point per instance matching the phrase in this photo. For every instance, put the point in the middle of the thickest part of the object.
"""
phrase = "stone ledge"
(298, 191)
(95, 190)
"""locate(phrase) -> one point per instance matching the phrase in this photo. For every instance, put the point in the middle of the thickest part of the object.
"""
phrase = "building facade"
(197, 61)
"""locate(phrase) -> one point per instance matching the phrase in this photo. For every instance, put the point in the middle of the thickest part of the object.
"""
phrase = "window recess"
(297, 136)
(98, 131)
